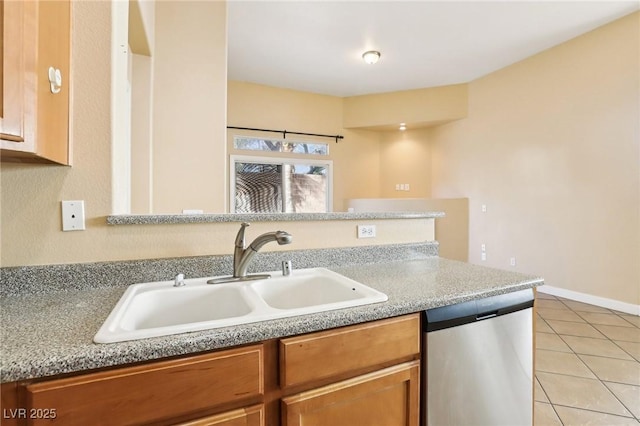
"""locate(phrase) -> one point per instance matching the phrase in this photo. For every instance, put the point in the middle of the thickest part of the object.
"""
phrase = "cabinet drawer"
(153, 392)
(336, 352)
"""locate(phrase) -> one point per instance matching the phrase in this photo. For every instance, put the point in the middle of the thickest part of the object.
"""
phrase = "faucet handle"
(179, 280)
(240, 236)
(240, 246)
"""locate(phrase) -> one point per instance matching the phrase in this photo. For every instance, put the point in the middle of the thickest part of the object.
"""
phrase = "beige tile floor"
(587, 364)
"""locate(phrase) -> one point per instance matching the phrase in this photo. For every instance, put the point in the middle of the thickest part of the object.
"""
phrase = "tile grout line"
(601, 356)
(596, 411)
(623, 404)
(577, 377)
(610, 325)
(554, 411)
(624, 350)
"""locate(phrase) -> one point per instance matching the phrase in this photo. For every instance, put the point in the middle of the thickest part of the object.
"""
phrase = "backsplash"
(21, 280)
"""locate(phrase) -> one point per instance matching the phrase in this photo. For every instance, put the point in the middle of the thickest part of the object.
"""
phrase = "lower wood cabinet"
(365, 374)
(387, 397)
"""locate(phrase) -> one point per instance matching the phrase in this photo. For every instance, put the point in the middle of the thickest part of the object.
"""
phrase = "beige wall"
(189, 106)
(356, 158)
(31, 194)
(426, 106)
(405, 159)
(551, 147)
(451, 231)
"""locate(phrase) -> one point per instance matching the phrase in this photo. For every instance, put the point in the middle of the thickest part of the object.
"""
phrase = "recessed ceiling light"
(403, 127)
(371, 56)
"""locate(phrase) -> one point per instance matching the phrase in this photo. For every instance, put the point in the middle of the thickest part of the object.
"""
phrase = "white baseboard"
(603, 302)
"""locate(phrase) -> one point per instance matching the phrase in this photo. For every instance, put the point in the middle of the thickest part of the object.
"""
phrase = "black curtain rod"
(285, 132)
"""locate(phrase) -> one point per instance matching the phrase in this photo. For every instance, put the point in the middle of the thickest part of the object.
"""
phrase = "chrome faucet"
(242, 254)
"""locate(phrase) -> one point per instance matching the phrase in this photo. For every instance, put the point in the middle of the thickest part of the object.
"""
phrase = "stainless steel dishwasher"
(479, 362)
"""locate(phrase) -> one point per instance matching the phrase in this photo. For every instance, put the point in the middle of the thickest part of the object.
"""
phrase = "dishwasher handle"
(488, 315)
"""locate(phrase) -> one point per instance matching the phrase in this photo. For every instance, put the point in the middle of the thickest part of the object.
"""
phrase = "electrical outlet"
(73, 215)
(484, 208)
(483, 256)
(406, 187)
(366, 231)
(512, 261)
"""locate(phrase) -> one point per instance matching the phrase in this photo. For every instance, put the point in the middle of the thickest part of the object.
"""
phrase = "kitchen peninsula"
(48, 333)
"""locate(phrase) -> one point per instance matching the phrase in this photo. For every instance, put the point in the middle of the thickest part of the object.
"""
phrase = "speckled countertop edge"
(52, 334)
(132, 219)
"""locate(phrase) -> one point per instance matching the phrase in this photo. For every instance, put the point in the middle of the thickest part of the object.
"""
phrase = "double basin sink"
(160, 308)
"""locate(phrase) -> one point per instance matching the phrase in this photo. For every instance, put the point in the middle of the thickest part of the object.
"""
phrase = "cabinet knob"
(55, 79)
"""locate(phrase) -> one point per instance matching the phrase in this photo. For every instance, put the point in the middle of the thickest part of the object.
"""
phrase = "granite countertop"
(50, 334)
(164, 219)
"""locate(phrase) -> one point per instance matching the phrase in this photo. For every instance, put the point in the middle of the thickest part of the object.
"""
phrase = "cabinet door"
(250, 416)
(9, 404)
(34, 121)
(388, 397)
(12, 71)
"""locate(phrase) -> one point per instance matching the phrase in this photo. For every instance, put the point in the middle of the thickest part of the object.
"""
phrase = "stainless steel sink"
(159, 309)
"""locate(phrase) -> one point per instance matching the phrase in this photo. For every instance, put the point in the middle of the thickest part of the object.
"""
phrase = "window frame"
(278, 160)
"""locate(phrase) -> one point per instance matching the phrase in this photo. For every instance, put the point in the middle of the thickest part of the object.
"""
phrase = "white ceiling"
(316, 46)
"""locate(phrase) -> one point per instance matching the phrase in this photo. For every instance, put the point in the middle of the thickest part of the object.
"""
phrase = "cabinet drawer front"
(382, 398)
(332, 353)
(153, 392)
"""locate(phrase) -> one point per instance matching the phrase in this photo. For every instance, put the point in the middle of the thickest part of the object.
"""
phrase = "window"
(277, 145)
(280, 185)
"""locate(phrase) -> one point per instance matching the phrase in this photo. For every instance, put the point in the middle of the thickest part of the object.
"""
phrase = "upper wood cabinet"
(34, 121)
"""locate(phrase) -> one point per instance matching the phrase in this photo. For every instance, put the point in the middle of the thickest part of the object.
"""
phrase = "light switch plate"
(73, 215)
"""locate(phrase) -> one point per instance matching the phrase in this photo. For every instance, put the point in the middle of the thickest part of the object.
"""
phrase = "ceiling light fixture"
(371, 56)
(403, 127)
